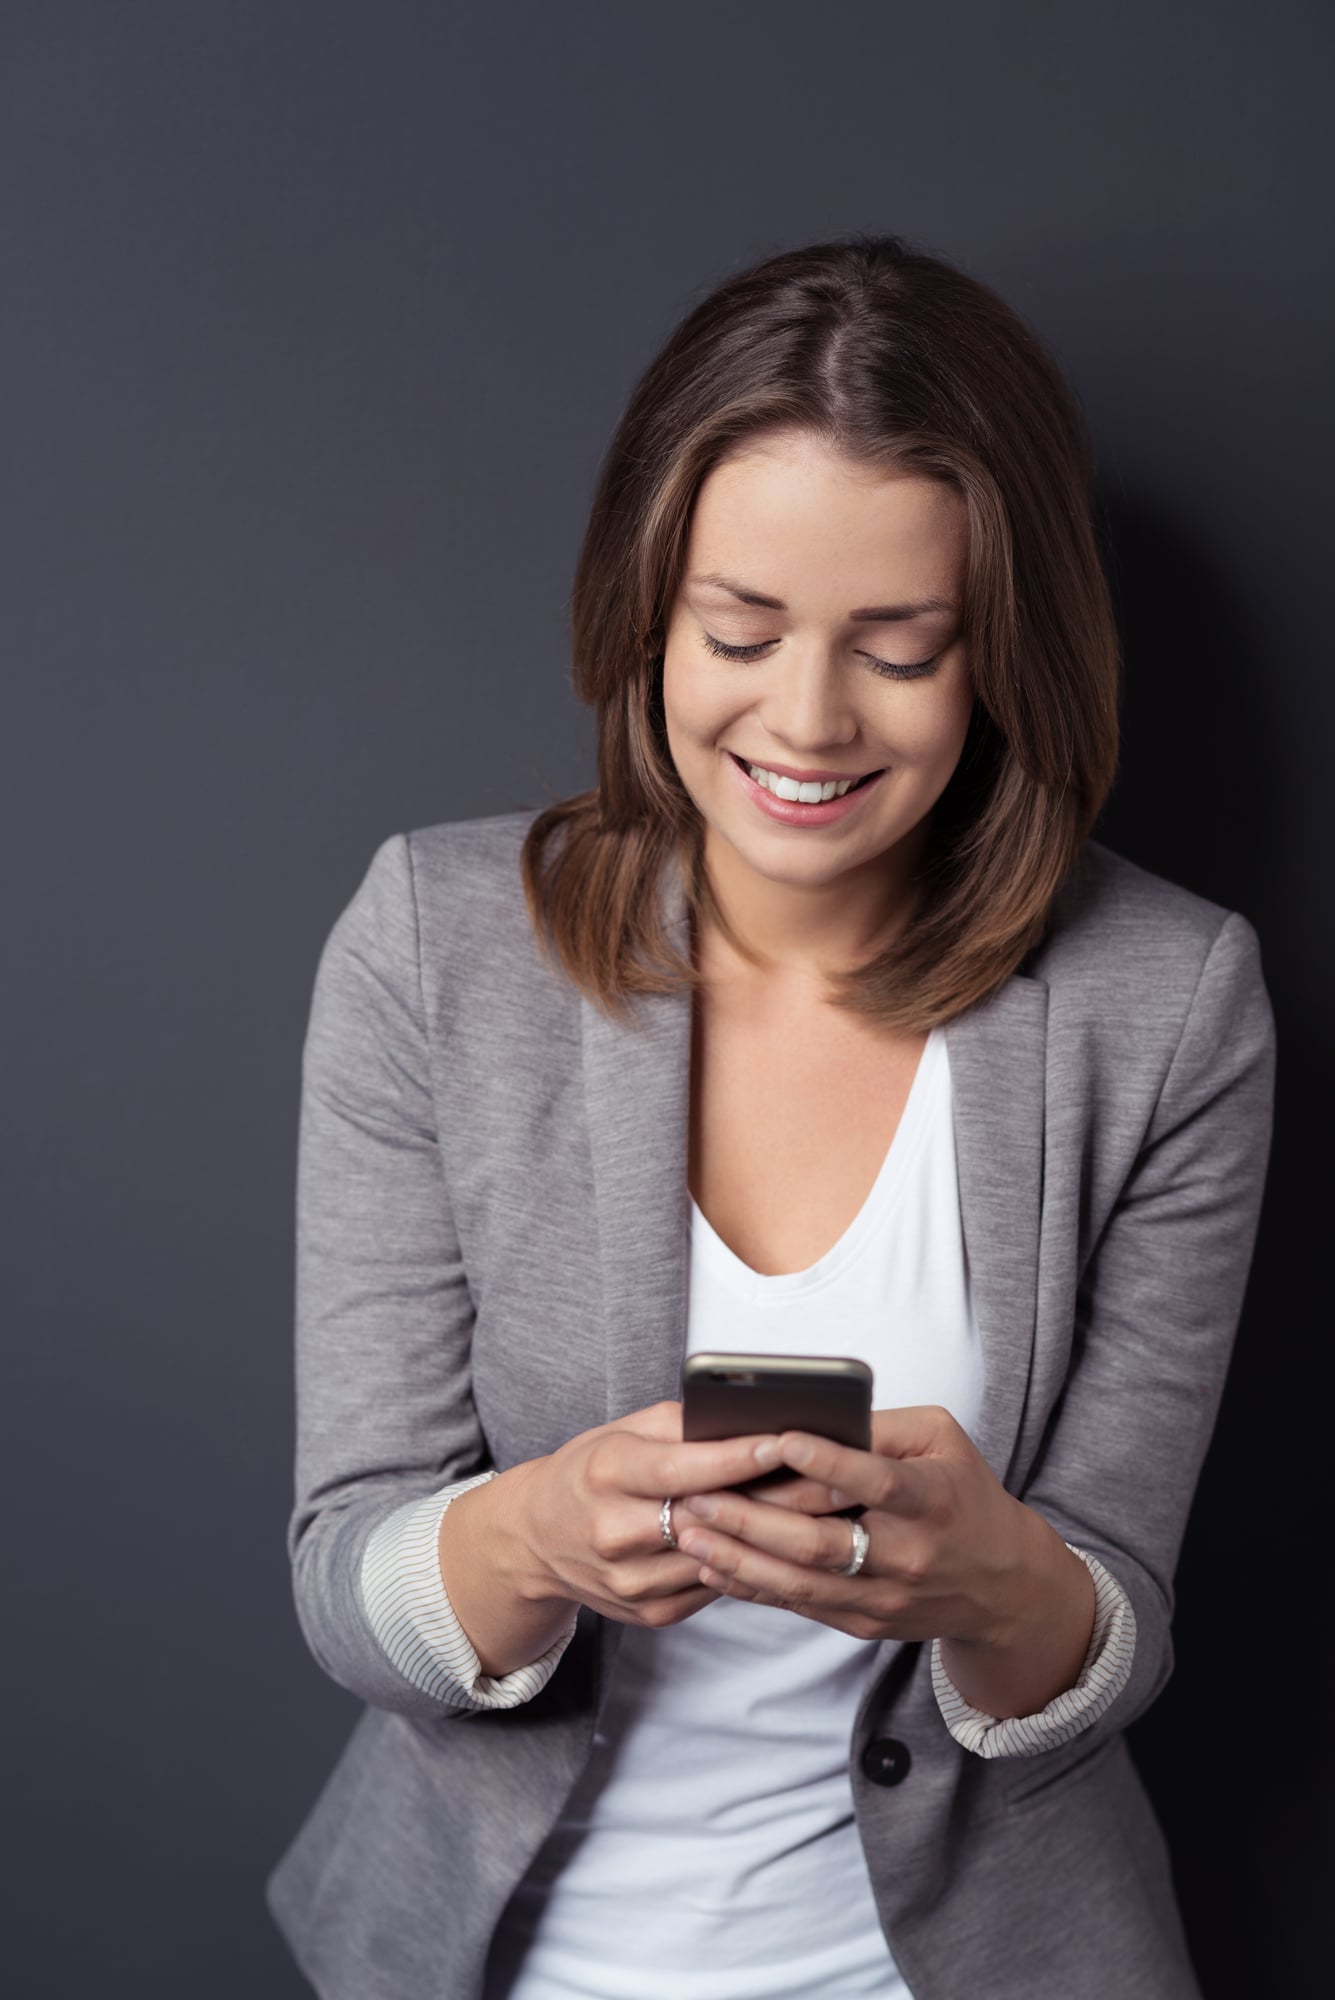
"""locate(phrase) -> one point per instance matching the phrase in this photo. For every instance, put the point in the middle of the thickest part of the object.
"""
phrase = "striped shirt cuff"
(1104, 1674)
(414, 1622)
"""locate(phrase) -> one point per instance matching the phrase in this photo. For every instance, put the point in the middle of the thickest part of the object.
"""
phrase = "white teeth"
(808, 794)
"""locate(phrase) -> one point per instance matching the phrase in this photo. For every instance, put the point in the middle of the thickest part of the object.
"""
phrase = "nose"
(808, 705)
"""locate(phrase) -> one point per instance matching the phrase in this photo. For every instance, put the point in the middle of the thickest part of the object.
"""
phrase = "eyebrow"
(878, 614)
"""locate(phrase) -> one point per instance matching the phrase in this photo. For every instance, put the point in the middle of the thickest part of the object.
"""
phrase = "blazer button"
(886, 1760)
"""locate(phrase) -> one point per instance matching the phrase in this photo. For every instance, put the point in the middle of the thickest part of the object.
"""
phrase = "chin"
(779, 859)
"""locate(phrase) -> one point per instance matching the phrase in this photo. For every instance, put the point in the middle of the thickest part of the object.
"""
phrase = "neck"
(807, 931)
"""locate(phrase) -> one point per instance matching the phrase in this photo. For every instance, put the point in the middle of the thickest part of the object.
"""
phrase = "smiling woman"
(819, 1028)
(843, 479)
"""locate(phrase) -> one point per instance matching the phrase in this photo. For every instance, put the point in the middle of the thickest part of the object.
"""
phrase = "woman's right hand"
(581, 1526)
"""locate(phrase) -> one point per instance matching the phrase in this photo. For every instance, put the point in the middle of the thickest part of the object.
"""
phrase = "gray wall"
(314, 322)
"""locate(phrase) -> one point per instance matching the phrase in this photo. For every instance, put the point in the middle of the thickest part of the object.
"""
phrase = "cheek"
(931, 734)
(692, 707)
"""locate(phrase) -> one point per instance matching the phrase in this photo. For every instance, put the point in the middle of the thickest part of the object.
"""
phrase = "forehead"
(789, 511)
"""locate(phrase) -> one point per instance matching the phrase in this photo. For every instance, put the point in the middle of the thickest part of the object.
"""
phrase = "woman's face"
(841, 588)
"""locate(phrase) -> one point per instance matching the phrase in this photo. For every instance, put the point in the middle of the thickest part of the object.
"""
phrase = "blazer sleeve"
(384, 1317)
(1157, 1312)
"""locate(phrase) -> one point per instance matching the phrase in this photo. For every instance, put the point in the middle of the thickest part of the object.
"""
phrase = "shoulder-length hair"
(897, 360)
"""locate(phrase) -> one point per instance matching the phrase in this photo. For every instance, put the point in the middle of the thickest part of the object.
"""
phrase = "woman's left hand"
(950, 1554)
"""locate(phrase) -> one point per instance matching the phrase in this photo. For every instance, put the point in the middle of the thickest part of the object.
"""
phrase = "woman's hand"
(950, 1553)
(581, 1526)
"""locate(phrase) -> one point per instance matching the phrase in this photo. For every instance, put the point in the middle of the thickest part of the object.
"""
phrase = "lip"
(791, 811)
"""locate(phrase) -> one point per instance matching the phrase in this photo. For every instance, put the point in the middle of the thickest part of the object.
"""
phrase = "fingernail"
(694, 1545)
(838, 1498)
(703, 1506)
(767, 1454)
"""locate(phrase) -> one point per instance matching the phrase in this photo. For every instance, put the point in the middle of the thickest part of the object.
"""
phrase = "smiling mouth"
(816, 790)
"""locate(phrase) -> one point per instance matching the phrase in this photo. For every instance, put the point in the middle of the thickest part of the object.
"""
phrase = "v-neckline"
(891, 1175)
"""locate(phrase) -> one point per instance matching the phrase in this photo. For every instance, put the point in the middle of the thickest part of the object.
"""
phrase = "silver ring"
(861, 1544)
(665, 1523)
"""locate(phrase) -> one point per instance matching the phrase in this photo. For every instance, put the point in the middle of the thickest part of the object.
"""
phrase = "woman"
(819, 1026)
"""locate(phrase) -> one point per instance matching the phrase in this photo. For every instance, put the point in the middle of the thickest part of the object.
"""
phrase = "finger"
(672, 1470)
(808, 1541)
(744, 1570)
(729, 1586)
(867, 1477)
(645, 1582)
(803, 1496)
(687, 1602)
(668, 1611)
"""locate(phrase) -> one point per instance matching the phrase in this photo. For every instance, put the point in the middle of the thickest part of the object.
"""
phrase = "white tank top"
(710, 1847)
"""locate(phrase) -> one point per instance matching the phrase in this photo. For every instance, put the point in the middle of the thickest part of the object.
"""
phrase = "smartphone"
(736, 1395)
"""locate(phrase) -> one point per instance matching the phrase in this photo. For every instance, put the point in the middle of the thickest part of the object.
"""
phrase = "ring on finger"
(665, 1523)
(861, 1544)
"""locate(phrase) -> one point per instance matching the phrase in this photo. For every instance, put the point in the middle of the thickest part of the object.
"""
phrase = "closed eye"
(899, 670)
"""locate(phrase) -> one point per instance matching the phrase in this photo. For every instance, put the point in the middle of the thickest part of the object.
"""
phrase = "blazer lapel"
(998, 1055)
(637, 1095)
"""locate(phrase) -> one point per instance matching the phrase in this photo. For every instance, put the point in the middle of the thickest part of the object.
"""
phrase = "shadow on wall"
(1233, 1751)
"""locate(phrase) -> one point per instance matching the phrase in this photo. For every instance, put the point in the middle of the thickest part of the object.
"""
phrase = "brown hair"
(899, 360)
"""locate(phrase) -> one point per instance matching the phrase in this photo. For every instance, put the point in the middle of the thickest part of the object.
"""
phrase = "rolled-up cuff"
(1107, 1665)
(415, 1624)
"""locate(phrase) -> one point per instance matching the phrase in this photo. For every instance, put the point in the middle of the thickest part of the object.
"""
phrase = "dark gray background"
(315, 321)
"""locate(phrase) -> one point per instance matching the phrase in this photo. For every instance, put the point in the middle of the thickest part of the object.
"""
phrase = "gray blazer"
(493, 1237)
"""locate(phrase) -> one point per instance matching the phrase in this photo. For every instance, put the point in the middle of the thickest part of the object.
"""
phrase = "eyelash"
(895, 670)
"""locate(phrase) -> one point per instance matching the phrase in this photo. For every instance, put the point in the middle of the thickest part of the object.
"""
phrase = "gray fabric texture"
(493, 1254)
